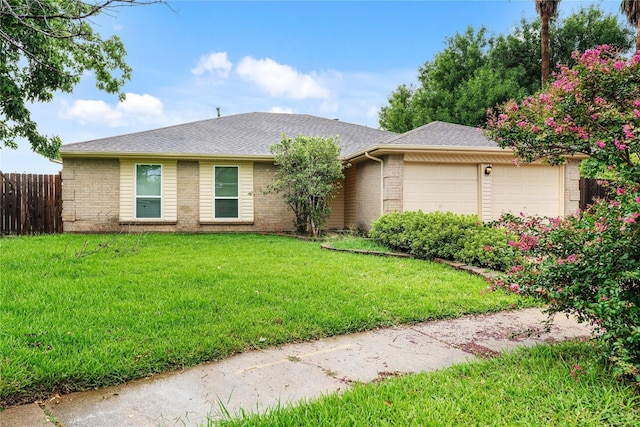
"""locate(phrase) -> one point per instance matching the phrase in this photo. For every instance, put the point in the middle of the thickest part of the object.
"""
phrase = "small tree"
(307, 175)
(587, 264)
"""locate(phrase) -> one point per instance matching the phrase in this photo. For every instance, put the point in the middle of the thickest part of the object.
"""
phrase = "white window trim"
(136, 196)
(238, 198)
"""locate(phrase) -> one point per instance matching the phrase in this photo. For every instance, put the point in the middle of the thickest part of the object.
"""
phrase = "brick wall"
(367, 194)
(90, 195)
(393, 177)
(188, 196)
(571, 186)
(91, 198)
(271, 213)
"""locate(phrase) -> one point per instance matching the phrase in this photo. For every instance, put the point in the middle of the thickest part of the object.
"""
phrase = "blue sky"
(333, 59)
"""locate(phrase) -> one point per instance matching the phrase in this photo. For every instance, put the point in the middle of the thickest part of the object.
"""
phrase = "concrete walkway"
(257, 380)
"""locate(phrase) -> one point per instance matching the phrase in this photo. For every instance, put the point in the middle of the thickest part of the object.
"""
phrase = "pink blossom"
(604, 298)
(560, 261)
(600, 144)
(627, 131)
(558, 129)
(535, 129)
(572, 258)
(636, 103)
(549, 121)
(619, 145)
(638, 199)
(636, 113)
(619, 191)
(618, 65)
(522, 124)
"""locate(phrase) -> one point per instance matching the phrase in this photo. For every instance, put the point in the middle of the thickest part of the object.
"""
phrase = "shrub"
(588, 265)
(445, 235)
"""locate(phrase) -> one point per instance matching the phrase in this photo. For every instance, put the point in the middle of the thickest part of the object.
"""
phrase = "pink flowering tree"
(587, 264)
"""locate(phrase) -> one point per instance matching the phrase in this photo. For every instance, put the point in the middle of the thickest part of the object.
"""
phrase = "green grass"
(152, 303)
(361, 243)
(530, 387)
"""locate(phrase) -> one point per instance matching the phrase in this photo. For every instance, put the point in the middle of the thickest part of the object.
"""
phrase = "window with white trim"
(225, 192)
(148, 191)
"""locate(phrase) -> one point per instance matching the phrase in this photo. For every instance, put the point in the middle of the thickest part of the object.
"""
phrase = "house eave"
(435, 149)
(161, 156)
(381, 150)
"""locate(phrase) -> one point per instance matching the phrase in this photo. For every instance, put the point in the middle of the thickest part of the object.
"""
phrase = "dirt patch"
(478, 350)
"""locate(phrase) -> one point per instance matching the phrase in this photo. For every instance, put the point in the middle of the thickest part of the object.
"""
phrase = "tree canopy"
(46, 46)
(477, 70)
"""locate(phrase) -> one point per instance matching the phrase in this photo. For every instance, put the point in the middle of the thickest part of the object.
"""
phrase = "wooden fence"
(589, 191)
(31, 204)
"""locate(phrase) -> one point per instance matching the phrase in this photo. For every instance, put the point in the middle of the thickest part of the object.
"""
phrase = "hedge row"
(462, 238)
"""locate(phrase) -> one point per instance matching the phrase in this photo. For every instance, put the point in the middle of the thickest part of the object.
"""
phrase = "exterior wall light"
(487, 170)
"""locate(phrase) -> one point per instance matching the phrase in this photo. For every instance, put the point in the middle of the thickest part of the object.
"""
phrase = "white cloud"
(134, 108)
(281, 110)
(215, 63)
(87, 110)
(281, 80)
(141, 104)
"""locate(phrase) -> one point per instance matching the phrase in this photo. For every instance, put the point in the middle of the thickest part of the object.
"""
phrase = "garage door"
(530, 189)
(440, 187)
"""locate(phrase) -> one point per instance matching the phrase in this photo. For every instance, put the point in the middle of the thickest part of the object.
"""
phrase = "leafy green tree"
(631, 9)
(399, 114)
(476, 71)
(587, 264)
(46, 46)
(547, 9)
(308, 177)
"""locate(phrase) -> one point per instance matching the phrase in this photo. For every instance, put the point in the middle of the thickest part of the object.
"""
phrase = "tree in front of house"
(308, 174)
(46, 46)
(587, 264)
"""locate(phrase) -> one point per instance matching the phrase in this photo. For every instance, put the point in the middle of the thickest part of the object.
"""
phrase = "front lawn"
(559, 385)
(82, 311)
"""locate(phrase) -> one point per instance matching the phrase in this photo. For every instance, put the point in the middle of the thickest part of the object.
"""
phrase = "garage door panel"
(532, 189)
(441, 187)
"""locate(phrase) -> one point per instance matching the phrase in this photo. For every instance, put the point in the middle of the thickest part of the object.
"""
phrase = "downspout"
(366, 154)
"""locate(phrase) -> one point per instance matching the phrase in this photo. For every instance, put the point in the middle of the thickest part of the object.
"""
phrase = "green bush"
(446, 235)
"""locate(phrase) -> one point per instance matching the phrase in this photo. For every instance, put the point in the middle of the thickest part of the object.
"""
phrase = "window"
(148, 191)
(225, 192)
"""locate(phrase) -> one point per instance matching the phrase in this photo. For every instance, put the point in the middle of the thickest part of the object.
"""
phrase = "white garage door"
(441, 187)
(531, 189)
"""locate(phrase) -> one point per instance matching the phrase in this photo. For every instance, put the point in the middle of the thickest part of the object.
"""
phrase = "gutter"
(368, 156)
(182, 156)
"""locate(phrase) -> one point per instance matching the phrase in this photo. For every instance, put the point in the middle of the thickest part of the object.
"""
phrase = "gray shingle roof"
(252, 134)
(443, 134)
(249, 134)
